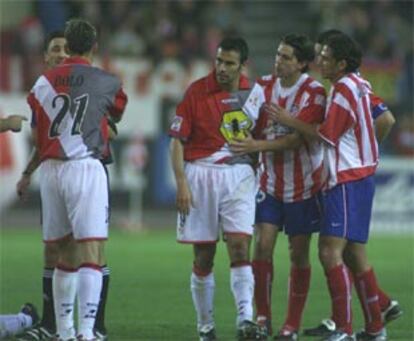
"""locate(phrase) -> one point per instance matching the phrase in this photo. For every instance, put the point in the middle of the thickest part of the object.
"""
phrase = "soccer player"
(351, 156)
(290, 183)
(383, 120)
(55, 53)
(69, 105)
(12, 123)
(216, 189)
(13, 324)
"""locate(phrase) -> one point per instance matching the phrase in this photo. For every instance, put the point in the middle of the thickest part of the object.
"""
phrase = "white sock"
(242, 286)
(202, 291)
(14, 324)
(64, 292)
(89, 290)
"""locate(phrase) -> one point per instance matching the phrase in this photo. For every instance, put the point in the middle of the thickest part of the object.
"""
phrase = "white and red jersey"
(208, 118)
(351, 152)
(294, 175)
(70, 104)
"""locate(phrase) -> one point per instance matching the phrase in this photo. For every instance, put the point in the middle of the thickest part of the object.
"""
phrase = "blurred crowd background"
(158, 47)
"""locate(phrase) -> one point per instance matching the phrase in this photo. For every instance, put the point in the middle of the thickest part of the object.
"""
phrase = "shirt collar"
(213, 86)
(76, 60)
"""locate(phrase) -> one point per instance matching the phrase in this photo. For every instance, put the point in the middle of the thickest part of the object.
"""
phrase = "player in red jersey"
(290, 182)
(351, 156)
(383, 120)
(215, 188)
(69, 104)
(55, 53)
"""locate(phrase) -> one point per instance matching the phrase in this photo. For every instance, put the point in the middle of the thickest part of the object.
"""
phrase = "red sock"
(298, 292)
(340, 290)
(263, 277)
(367, 289)
(383, 299)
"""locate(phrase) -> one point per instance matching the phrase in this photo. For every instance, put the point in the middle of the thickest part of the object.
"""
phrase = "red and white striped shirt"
(294, 175)
(351, 152)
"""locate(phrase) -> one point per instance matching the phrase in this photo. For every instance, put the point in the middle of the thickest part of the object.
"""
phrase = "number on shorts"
(81, 106)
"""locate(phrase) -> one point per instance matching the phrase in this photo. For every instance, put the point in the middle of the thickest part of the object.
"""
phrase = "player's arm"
(184, 197)
(251, 145)
(12, 122)
(383, 124)
(118, 106)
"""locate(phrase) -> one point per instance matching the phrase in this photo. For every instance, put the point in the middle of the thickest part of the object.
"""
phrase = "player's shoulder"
(315, 86)
(266, 80)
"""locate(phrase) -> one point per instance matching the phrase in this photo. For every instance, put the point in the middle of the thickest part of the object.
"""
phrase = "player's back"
(69, 104)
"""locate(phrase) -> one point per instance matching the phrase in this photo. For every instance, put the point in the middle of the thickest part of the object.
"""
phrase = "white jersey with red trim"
(294, 175)
(351, 151)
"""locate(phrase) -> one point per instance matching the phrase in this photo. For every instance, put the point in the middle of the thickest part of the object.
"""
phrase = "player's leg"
(265, 241)
(100, 327)
(203, 287)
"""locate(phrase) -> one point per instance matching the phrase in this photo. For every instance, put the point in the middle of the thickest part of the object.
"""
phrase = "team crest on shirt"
(176, 123)
(235, 124)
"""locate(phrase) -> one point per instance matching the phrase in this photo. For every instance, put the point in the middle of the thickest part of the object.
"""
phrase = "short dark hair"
(302, 48)
(325, 35)
(345, 48)
(51, 36)
(236, 44)
(80, 36)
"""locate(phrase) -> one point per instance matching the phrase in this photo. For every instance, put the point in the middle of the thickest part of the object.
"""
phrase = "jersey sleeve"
(378, 107)
(119, 104)
(314, 109)
(339, 118)
(181, 124)
(31, 101)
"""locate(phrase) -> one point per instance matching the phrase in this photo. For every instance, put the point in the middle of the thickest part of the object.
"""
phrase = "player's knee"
(51, 255)
(90, 252)
(263, 251)
(299, 258)
(329, 256)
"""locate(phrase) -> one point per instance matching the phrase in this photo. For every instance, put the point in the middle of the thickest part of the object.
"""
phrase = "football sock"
(340, 290)
(48, 317)
(14, 324)
(100, 315)
(383, 299)
(65, 283)
(89, 290)
(263, 277)
(202, 292)
(242, 287)
(366, 287)
(298, 288)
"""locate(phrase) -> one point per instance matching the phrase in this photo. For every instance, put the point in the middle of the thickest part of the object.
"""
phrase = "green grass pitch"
(149, 289)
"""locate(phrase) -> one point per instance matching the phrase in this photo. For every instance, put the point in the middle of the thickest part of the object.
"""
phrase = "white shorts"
(224, 198)
(74, 200)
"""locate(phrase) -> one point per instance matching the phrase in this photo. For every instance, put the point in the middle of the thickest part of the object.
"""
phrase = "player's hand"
(277, 113)
(22, 186)
(112, 128)
(14, 122)
(184, 199)
(243, 146)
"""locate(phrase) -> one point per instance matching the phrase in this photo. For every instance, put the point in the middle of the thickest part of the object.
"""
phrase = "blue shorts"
(303, 217)
(348, 208)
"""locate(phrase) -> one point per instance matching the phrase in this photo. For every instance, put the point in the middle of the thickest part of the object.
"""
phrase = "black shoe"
(248, 330)
(326, 328)
(364, 336)
(265, 324)
(392, 312)
(100, 334)
(339, 335)
(36, 333)
(286, 336)
(30, 309)
(207, 333)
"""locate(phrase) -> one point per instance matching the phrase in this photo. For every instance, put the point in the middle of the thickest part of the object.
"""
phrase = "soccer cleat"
(265, 323)
(326, 328)
(249, 330)
(82, 338)
(286, 336)
(338, 335)
(30, 309)
(364, 336)
(101, 335)
(36, 333)
(207, 333)
(392, 312)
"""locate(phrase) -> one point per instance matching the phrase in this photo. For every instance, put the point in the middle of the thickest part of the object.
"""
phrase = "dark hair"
(51, 36)
(235, 44)
(80, 36)
(302, 48)
(325, 35)
(345, 48)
